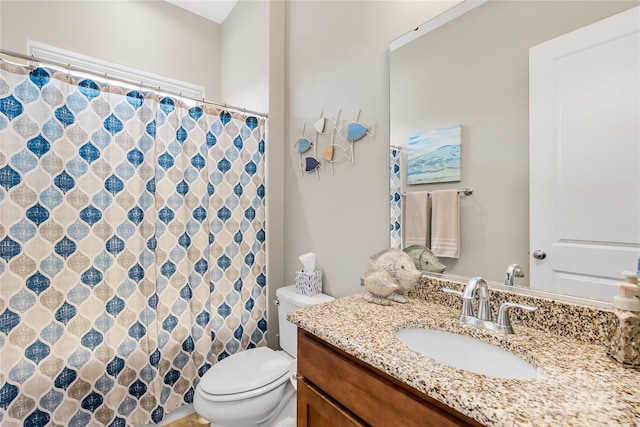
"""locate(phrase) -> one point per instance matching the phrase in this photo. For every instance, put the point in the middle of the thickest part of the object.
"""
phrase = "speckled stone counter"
(577, 385)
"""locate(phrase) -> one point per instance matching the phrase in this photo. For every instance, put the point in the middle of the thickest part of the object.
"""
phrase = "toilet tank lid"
(289, 294)
(244, 371)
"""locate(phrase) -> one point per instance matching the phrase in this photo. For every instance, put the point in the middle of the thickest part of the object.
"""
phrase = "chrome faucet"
(514, 270)
(483, 318)
(477, 285)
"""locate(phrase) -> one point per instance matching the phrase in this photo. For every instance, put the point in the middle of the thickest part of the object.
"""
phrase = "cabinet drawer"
(374, 397)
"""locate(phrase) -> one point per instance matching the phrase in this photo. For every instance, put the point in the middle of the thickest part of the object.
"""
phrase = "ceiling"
(213, 10)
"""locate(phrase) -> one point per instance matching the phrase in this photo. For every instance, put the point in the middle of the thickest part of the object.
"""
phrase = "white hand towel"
(416, 231)
(445, 223)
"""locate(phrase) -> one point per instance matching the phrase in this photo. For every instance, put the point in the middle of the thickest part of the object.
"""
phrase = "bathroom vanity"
(336, 389)
(352, 371)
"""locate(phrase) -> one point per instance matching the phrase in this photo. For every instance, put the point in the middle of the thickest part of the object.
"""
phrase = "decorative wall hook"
(325, 125)
(303, 144)
(312, 164)
(355, 131)
(329, 151)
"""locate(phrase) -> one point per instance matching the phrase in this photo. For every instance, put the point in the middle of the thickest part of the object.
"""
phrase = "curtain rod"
(69, 67)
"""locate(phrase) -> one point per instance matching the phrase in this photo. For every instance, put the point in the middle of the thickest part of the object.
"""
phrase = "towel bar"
(466, 191)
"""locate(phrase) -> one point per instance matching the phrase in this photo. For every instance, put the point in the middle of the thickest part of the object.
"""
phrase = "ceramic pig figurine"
(400, 268)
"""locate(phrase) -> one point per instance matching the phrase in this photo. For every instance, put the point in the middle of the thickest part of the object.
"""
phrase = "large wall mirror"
(473, 71)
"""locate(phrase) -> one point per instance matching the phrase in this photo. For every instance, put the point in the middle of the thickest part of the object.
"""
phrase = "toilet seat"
(244, 375)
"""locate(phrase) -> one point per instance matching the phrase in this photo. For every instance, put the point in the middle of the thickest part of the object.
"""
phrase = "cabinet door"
(375, 399)
(315, 409)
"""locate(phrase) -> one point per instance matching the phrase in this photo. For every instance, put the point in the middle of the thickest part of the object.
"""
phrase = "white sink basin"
(467, 353)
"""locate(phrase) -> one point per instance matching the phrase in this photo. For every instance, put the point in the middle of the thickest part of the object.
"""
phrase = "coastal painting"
(434, 156)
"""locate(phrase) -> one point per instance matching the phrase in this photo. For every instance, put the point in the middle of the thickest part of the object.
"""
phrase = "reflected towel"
(445, 223)
(416, 230)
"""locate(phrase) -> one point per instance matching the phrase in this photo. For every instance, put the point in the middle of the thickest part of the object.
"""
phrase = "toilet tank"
(290, 300)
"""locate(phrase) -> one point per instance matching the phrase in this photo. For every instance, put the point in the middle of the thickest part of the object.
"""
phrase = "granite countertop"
(577, 385)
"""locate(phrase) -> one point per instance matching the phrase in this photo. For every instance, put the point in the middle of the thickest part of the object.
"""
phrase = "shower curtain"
(395, 199)
(132, 248)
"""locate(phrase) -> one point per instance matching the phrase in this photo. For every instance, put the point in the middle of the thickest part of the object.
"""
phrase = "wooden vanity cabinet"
(338, 390)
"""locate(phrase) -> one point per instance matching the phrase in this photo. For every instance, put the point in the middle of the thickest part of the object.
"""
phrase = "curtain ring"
(106, 81)
(69, 71)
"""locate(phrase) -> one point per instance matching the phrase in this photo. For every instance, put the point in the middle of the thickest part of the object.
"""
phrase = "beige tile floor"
(193, 420)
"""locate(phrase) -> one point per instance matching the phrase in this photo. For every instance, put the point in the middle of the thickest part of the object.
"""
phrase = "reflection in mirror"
(474, 71)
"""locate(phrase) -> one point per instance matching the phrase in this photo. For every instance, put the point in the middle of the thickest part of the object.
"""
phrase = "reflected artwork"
(434, 156)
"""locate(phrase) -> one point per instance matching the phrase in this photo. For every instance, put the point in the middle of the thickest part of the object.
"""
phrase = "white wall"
(152, 36)
(275, 155)
(244, 56)
(252, 75)
(337, 58)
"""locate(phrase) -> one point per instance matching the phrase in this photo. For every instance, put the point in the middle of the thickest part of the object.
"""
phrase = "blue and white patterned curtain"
(395, 199)
(132, 248)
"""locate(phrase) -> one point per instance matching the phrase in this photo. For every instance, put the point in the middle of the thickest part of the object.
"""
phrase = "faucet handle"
(503, 322)
(452, 291)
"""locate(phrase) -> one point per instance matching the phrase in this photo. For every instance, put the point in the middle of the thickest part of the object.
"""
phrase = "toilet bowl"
(256, 387)
(246, 389)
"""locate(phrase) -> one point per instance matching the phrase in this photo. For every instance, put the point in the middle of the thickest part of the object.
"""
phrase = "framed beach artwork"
(434, 156)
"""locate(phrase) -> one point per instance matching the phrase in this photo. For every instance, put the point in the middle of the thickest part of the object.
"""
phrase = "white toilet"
(257, 387)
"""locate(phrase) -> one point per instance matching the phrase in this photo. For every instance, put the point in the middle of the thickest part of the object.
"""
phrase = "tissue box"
(309, 284)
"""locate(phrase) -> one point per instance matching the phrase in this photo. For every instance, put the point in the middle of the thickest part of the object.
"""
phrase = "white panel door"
(584, 147)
